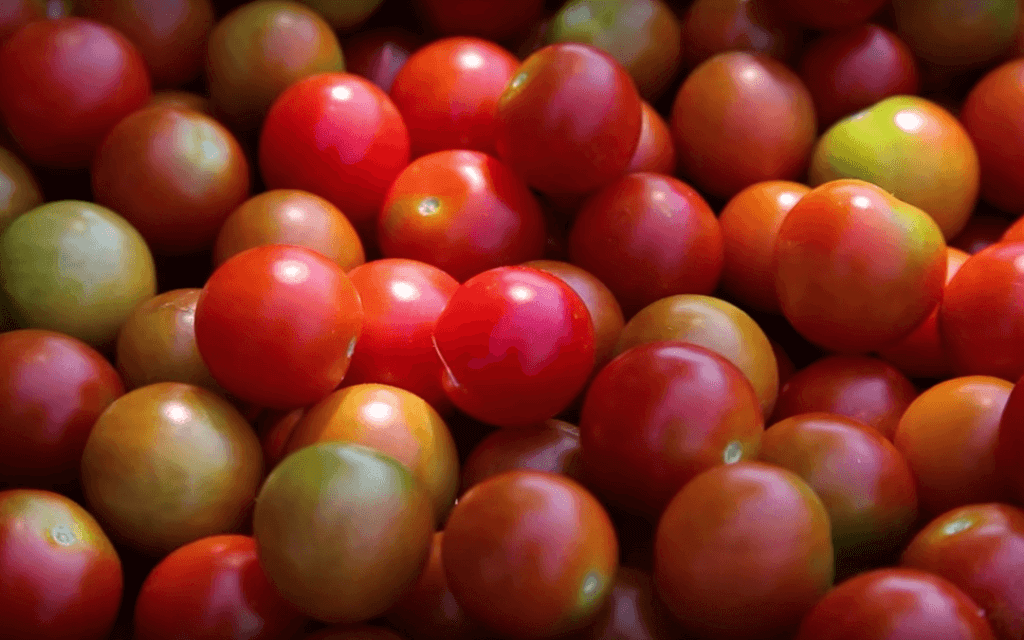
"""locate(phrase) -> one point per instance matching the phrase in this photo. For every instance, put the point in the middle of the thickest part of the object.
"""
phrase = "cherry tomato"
(569, 120)
(658, 415)
(711, 27)
(951, 34)
(492, 19)
(830, 14)
(655, 152)
(213, 589)
(633, 611)
(786, 563)
(181, 99)
(517, 346)
(354, 632)
(277, 324)
(60, 577)
(65, 84)
(15, 14)
(344, 15)
(981, 231)
(553, 447)
(530, 554)
(1010, 444)
(19, 190)
(379, 54)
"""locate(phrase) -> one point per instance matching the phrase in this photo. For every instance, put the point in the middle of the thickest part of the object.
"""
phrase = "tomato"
(15, 14)
(569, 120)
(52, 389)
(553, 447)
(854, 68)
(517, 345)
(895, 604)
(259, 50)
(60, 576)
(174, 174)
(711, 27)
(1010, 444)
(830, 14)
(342, 531)
(866, 389)
(980, 549)
(633, 611)
(339, 136)
(65, 84)
(855, 268)
(786, 563)
(290, 216)
(344, 15)
(981, 231)
(168, 464)
(492, 19)
(181, 99)
(354, 632)
(658, 415)
(648, 236)
(447, 92)
(655, 152)
(530, 554)
(275, 427)
(212, 589)
(19, 190)
(950, 34)
(462, 211)
(741, 118)
(750, 224)
(379, 54)
(277, 324)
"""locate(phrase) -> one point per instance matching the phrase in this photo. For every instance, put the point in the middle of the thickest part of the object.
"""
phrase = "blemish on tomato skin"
(62, 535)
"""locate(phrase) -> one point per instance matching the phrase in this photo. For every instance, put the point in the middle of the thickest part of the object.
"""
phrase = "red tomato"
(553, 446)
(655, 152)
(714, 26)
(65, 84)
(379, 54)
(213, 589)
(493, 19)
(276, 325)
(60, 577)
(1010, 443)
(15, 13)
(830, 14)
(336, 135)
(517, 344)
(447, 93)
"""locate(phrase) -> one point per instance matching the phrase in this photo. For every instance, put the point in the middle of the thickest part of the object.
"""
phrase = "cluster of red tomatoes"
(473, 319)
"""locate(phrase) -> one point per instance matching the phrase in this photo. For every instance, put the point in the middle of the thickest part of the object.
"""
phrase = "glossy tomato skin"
(58, 98)
(462, 211)
(1010, 444)
(633, 611)
(648, 236)
(895, 604)
(569, 119)
(339, 136)
(52, 389)
(530, 554)
(517, 345)
(713, 26)
(949, 34)
(213, 589)
(379, 54)
(15, 14)
(980, 549)
(447, 92)
(855, 268)
(60, 577)
(658, 415)
(553, 446)
(276, 325)
(785, 567)
(655, 152)
(19, 187)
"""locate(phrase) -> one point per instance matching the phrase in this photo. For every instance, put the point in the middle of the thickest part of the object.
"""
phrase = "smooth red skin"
(750, 224)
(171, 35)
(569, 120)
(962, 415)
(990, 284)
(276, 343)
(1015, 232)
(658, 415)
(921, 354)
(991, 114)
(865, 482)
(713, 26)
(741, 118)
(553, 446)
(853, 272)
(51, 591)
(66, 83)
(980, 549)
(980, 232)
(150, 170)
(213, 589)
(852, 69)
(743, 552)
(829, 14)
(866, 389)
(519, 549)
(428, 610)
(517, 344)
(648, 236)
(339, 136)
(462, 211)
(492, 19)
(633, 611)
(447, 93)
(655, 152)
(52, 389)
(16, 13)
(402, 300)
(275, 428)
(379, 54)
(1010, 444)
(895, 604)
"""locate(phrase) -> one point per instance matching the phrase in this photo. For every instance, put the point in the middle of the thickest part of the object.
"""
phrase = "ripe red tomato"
(213, 589)
(711, 27)
(65, 84)
(553, 446)
(493, 19)
(277, 324)
(655, 152)
(830, 14)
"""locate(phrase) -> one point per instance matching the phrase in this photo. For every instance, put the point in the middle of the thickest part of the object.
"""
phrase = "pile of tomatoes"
(518, 319)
